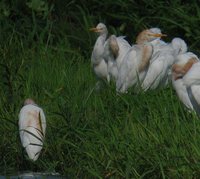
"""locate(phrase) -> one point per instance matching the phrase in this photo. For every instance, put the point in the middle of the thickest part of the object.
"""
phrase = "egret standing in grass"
(179, 69)
(192, 82)
(136, 61)
(32, 127)
(161, 62)
(97, 60)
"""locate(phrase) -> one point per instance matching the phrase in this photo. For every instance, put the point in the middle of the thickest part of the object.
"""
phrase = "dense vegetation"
(45, 49)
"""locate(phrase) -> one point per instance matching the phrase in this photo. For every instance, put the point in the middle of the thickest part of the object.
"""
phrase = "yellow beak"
(158, 35)
(94, 29)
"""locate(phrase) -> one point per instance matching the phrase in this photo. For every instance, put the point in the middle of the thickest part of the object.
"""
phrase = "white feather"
(31, 133)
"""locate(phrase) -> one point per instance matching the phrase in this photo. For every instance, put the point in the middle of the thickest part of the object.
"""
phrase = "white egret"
(136, 61)
(32, 127)
(192, 82)
(115, 50)
(181, 66)
(97, 61)
(160, 64)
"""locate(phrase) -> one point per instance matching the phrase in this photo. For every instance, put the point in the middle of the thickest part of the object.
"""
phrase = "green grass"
(94, 134)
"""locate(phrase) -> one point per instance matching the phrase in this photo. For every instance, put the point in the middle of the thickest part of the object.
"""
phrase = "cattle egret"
(136, 61)
(32, 127)
(179, 69)
(192, 82)
(161, 62)
(97, 61)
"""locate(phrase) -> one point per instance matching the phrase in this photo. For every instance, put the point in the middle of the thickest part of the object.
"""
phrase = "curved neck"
(104, 35)
(101, 39)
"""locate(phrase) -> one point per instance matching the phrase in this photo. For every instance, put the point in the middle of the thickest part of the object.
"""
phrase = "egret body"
(32, 127)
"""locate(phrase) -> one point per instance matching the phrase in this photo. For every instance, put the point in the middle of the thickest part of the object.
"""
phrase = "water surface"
(33, 175)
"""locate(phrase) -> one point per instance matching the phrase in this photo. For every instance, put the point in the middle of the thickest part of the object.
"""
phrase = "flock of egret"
(149, 63)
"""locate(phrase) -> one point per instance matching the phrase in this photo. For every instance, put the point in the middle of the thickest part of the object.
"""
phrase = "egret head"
(100, 29)
(29, 101)
(149, 35)
(155, 30)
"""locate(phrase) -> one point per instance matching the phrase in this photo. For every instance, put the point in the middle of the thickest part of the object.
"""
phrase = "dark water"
(33, 175)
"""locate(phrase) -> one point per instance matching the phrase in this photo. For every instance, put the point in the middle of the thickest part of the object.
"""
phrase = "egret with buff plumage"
(32, 128)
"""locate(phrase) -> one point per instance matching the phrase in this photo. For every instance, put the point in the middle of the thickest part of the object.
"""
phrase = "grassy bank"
(92, 133)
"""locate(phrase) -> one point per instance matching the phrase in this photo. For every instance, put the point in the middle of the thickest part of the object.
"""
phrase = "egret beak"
(94, 29)
(158, 35)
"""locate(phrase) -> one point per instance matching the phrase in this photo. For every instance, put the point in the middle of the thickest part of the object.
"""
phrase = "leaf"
(40, 123)
(37, 5)
(36, 144)
(32, 134)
